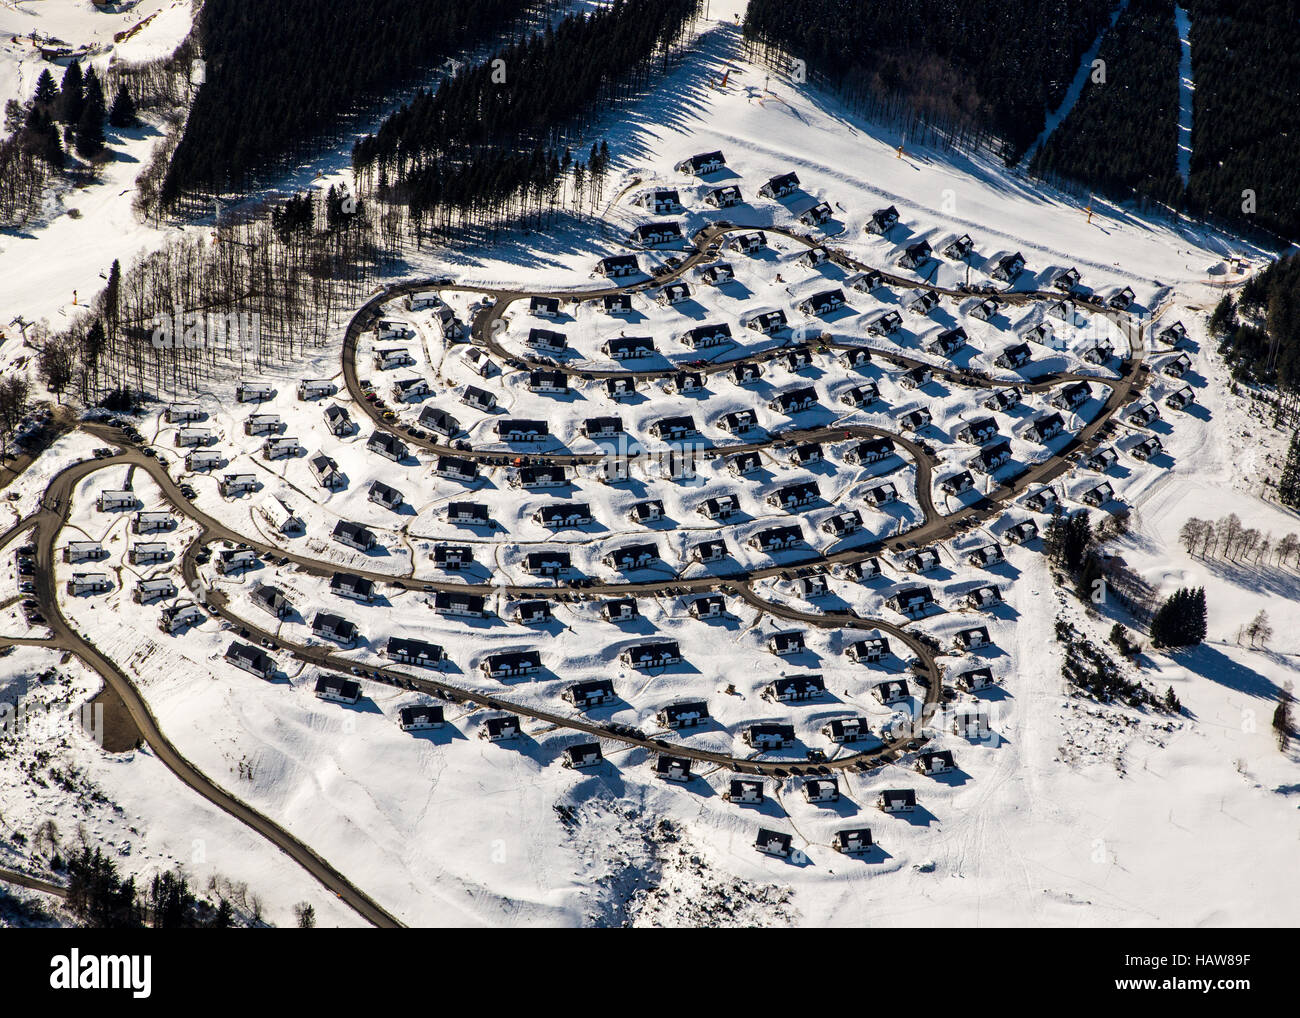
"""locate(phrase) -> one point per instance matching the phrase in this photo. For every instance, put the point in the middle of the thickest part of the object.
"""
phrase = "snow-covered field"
(1068, 812)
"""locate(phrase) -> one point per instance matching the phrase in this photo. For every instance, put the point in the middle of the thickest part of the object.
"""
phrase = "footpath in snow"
(1185, 89)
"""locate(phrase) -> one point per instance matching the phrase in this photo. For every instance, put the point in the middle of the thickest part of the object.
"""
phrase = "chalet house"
(948, 342)
(189, 437)
(616, 266)
(263, 424)
(537, 478)
(864, 569)
(1060, 309)
(882, 221)
(922, 302)
(1177, 367)
(1004, 399)
(882, 494)
(629, 347)
(890, 691)
(236, 560)
(414, 652)
(823, 302)
(854, 841)
(439, 422)
(716, 274)
(452, 556)
(935, 762)
(546, 339)
(917, 378)
(710, 606)
(511, 664)
(738, 422)
(1073, 396)
(814, 256)
(956, 483)
(602, 427)
(548, 563)
(655, 234)
(176, 617)
(805, 453)
(795, 688)
(1019, 533)
(797, 359)
(968, 639)
(984, 310)
(559, 517)
(389, 328)
(510, 429)
(619, 609)
(183, 413)
(455, 468)
(821, 790)
(794, 496)
(897, 800)
(474, 514)
(422, 300)
(865, 282)
(454, 603)
(1067, 280)
(1098, 353)
(959, 248)
(911, 600)
(887, 324)
(281, 447)
(1101, 460)
(617, 303)
(786, 644)
(743, 374)
(672, 293)
(1122, 300)
(709, 551)
(794, 401)
(392, 357)
(1144, 414)
(1147, 448)
(842, 524)
(841, 730)
(861, 395)
(206, 459)
(589, 694)
(975, 678)
(702, 164)
(645, 656)
(583, 754)
(915, 420)
(531, 613)
(812, 587)
(777, 538)
(1180, 399)
(745, 791)
(1099, 495)
(1008, 267)
(157, 589)
(748, 243)
(354, 535)
(915, 255)
(1039, 500)
(89, 583)
(776, 843)
(338, 420)
(254, 392)
(672, 768)
(920, 560)
(673, 427)
(991, 457)
(113, 501)
(970, 722)
(683, 714)
(816, 214)
(145, 553)
(765, 320)
(149, 523)
(661, 201)
(1016, 356)
(768, 735)
(986, 555)
(420, 718)
(868, 651)
(544, 307)
(744, 463)
(720, 508)
(724, 197)
(325, 471)
(1173, 335)
(702, 337)
(387, 445)
(353, 587)
(780, 186)
(250, 659)
(619, 388)
(870, 450)
(1045, 428)
(978, 431)
(632, 556)
(553, 382)
(328, 626)
(501, 728)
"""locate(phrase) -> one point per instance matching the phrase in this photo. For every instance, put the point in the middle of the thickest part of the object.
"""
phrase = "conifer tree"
(71, 95)
(1288, 486)
(123, 112)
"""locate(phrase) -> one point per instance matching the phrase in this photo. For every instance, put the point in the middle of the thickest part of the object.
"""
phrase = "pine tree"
(90, 125)
(1288, 486)
(123, 112)
(46, 91)
(1223, 322)
(1181, 620)
(1172, 703)
(71, 95)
